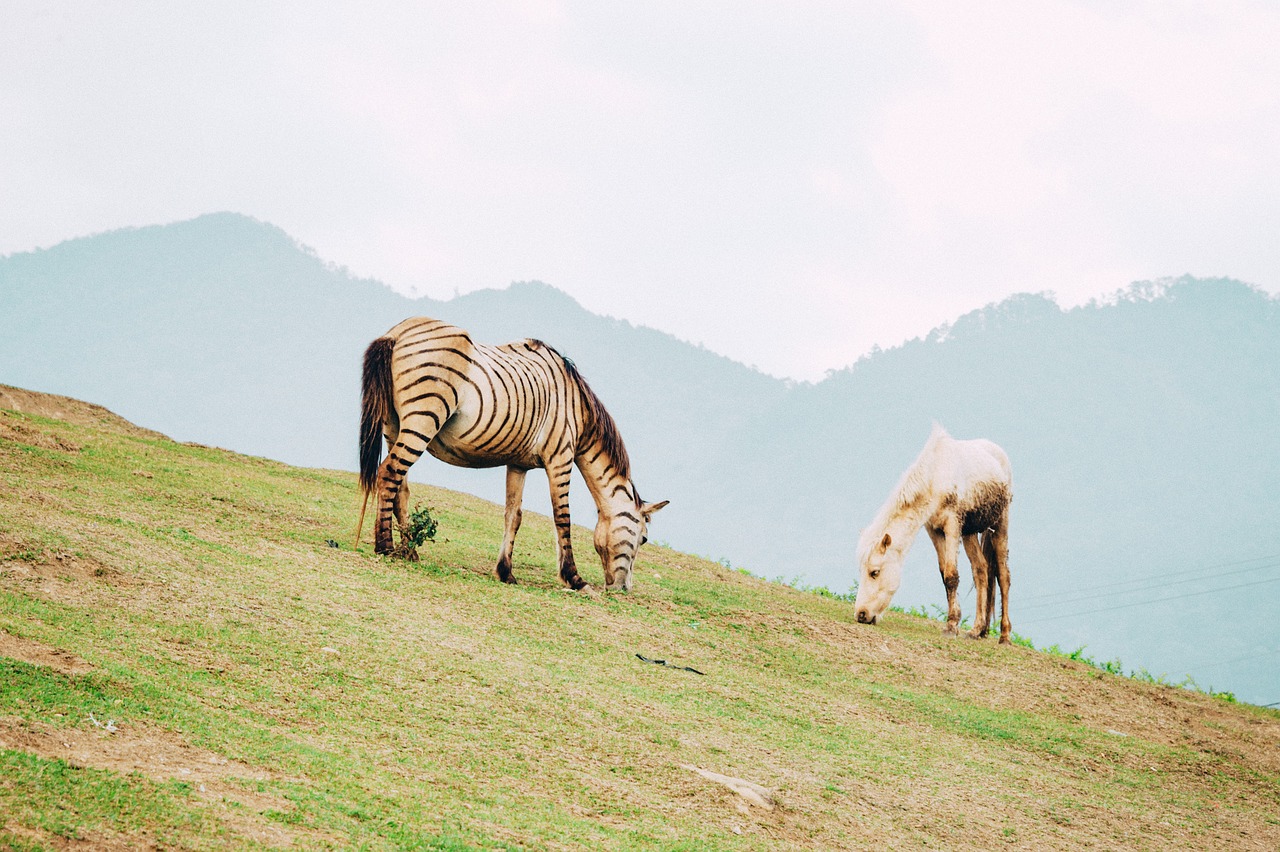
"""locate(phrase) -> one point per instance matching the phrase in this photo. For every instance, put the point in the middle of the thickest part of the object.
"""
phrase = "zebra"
(427, 387)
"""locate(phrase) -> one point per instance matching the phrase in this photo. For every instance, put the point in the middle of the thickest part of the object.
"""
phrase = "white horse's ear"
(886, 541)
(649, 508)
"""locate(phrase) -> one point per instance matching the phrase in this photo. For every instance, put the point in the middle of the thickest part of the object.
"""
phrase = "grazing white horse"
(958, 491)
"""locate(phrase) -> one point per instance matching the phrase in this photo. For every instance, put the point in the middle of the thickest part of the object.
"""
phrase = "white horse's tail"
(989, 554)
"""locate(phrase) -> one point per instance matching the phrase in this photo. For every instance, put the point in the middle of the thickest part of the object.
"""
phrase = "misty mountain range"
(1142, 428)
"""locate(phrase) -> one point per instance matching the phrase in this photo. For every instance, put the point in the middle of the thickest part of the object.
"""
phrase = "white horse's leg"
(947, 542)
(993, 575)
(983, 583)
(511, 522)
(997, 546)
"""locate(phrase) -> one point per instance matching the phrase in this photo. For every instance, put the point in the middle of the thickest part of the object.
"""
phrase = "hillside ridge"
(186, 662)
(1139, 427)
(67, 409)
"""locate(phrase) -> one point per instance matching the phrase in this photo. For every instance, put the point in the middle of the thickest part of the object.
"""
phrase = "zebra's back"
(490, 405)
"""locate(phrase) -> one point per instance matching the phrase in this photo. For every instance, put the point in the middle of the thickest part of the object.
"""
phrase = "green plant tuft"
(422, 527)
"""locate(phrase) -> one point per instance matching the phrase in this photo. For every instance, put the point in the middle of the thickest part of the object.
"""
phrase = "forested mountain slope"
(1141, 429)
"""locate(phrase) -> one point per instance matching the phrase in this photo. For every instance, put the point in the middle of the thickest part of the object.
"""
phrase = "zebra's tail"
(377, 408)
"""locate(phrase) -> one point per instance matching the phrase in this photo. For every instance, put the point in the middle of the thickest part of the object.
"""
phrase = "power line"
(1070, 597)
(1165, 576)
(1035, 620)
(1214, 663)
(1163, 579)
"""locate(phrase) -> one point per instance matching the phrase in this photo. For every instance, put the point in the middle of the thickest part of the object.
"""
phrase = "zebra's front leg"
(511, 522)
(558, 476)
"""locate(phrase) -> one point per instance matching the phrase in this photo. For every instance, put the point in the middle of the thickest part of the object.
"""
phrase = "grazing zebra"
(428, 387)
(958, 491)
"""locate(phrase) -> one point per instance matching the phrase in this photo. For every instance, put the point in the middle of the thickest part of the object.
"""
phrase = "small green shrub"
(422, 527)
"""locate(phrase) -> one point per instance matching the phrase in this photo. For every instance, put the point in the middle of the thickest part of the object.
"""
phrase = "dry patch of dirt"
(13, 429)
(68, 410)
(163, 756)
(59, 575)
(39, 654)
(157, 754)
(92, 841)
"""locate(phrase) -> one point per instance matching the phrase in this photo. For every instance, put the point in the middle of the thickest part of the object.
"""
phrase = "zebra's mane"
(599, 422)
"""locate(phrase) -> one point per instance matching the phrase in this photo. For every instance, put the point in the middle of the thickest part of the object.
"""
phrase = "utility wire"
(1215, 663)
(1047, 599)
(1164, 576)
(1158, 580)
(1035, 620)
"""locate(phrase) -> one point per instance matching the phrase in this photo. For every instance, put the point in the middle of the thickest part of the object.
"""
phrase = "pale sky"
(787, 183)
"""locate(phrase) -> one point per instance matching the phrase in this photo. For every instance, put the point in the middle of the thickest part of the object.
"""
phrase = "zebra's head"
(619, 536)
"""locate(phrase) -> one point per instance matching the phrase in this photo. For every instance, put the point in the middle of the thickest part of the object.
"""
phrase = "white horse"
(958, 491)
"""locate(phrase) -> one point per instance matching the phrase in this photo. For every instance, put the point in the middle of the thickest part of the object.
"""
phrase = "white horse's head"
(618, 538)
(880, 561)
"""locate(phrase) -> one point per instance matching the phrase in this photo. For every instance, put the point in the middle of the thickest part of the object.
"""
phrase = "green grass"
(78, 803)
(1113, 666)
(385, 704)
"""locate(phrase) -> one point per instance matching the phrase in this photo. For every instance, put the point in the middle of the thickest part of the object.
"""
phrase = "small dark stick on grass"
(670, 665)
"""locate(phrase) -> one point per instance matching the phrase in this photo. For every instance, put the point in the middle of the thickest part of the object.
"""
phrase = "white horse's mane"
(912, 490)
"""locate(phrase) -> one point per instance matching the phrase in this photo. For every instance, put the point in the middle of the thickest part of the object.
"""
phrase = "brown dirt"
(160, 755)
(12, 429)
(93, 841)
(67, 409)
(156, 753)
(39, 654)
(58, 575)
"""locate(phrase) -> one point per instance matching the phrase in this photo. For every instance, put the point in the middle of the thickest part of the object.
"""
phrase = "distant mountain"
(1142, 429)
(224, 330)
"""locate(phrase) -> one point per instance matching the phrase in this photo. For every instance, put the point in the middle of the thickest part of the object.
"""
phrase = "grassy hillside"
(185, 662)
(1140, 428)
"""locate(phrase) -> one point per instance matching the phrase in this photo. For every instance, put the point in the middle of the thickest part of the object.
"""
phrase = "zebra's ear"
(886, 541)
(649, 508)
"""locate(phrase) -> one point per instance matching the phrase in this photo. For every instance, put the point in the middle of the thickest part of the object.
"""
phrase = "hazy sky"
(788, 183)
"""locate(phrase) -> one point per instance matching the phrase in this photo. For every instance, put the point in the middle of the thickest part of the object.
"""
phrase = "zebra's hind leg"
(511, 522)
(406, 549)
(416, 431)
